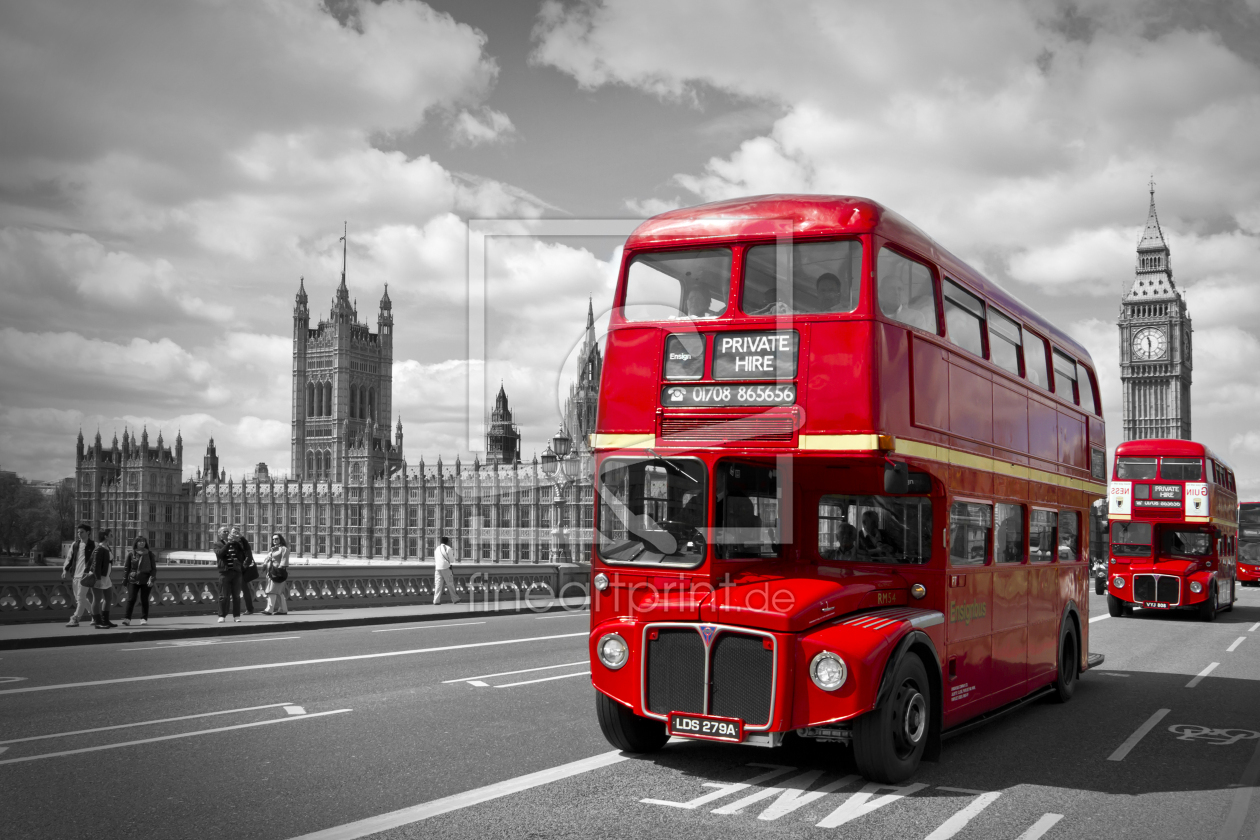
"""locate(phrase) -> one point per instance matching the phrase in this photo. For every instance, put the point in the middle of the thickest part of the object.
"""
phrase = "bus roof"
(1172, 447)
(768, 216)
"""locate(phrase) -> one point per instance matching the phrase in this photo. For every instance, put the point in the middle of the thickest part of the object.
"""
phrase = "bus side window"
(970, 531)
(964, 318)
(1043, 536)
(1035, 360)
(1085, 381)
(1069, 536)
(1009, 546)
(1064, 377)
(1005, 341)
(905, 291)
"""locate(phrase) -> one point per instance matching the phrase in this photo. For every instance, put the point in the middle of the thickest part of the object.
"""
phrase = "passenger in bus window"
(872, 539)
(834, 294)
(697, 303)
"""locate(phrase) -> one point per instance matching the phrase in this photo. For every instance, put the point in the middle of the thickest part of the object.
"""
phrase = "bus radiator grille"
(743, 678)
(1144, 587)
(675, 672)
(730, 429)
(1168, 589)
(1165, 589)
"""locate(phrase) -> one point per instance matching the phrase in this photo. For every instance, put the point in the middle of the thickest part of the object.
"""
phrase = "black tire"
(1100, 586)
(1208, 609)
(627, 731)
(1069, 663)
(1115, 607)
(888, 742)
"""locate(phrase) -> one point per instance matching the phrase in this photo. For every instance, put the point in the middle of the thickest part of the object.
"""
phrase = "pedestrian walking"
(98, 578)
(75, 567)
(276, 567)
(249, 568)
(228, 557)
(442, 571)
(139, 576)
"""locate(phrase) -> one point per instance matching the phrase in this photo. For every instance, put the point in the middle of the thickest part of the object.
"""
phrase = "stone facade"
(350, 493)
(1156, 346)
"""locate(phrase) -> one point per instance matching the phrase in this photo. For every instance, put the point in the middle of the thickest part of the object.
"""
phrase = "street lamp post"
(561, 465)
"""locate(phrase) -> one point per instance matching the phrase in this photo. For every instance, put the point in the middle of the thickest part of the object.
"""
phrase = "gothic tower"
(1155, 343)
(342, 390)
(583, 400)
(503, 439)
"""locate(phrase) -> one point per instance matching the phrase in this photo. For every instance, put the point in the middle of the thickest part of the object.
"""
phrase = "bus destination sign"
(755, 355)
(729, 394)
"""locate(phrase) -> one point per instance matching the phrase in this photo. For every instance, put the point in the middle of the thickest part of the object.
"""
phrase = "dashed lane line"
(1099, 617)
(417, 813)
(1198, 678)
(1038, 829)
(287, 719)
(1253, 627)
(512, 673)
(428, 626)
(142, 723)
(1236, 643)
(543, 679)
(959, 821)
(269, 665)
(1132, 740)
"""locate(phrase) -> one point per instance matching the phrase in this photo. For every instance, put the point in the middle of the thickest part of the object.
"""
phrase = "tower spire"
(345, 229)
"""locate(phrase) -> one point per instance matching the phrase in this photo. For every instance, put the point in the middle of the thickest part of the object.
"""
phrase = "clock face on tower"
(1149, 343)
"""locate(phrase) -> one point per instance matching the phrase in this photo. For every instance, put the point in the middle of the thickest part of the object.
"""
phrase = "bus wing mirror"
(896, 478)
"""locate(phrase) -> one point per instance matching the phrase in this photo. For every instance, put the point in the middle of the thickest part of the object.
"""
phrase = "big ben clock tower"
(1155, 344)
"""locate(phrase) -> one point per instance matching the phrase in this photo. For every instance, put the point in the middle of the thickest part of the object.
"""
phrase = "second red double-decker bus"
(1249, 543)
(1173, 510)
(842, 487)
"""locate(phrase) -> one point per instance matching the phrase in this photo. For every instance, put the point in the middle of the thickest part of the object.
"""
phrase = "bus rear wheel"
(1207, 610)
(1069, 664)
(627, 731)
(888, 741)
(1115, 607)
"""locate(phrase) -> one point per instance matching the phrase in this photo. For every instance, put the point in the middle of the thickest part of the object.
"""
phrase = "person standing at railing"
(102, 587)
(249, 568)
(228, 557)
(75, 568)
(442, 571)
(276, 567)
(139, 575)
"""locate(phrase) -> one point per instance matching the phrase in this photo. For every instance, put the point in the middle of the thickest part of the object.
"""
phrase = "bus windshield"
(1185, 543)
(809, 277)
(1181, 469)
(746, 511)
(1131, 468)
(1131, 539)
(875, 529)
(652, 510)
(678, 284)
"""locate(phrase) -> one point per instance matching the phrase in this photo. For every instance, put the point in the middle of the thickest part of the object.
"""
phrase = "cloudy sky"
(169, 171)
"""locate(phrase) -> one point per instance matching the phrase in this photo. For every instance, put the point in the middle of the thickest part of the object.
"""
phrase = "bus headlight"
(601, 582)
(1118, 581)
(613, 651)
(1196, 587)
(828, 671)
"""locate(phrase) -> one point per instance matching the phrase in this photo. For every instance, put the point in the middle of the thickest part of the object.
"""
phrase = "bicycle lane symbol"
(1216, 737)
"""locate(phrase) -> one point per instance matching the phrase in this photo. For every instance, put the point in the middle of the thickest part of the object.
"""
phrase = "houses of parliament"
(350, 492)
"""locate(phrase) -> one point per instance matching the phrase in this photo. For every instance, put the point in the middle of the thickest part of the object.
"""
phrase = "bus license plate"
(1155, 605)
(724, 395)
(707, 728)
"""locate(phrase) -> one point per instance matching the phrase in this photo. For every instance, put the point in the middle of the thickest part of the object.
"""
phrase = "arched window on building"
(372, 403)
(327, 464)
(310, 464)
(354, 401)
(310, 399)
(328, 399)
(363, 415)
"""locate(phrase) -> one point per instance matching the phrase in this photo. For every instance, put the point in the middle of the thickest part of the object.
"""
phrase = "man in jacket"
(442, 571)
(76, 565)
(229, 560)
(249, 568)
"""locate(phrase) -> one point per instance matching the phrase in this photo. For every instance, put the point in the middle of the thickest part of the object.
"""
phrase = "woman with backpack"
(139, 575)
(276, 567)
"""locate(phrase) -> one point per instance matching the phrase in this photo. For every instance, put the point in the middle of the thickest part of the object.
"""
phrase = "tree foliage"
(30, 520)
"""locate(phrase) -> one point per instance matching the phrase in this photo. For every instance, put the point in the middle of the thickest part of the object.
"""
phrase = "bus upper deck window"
(1135, 468)
(678, 284)
(1005, 341)
(1085, 385)
(905, 291)
(1181, 469)
(810, 277)
(1065, 376)
(1035, 360)
(964, 318)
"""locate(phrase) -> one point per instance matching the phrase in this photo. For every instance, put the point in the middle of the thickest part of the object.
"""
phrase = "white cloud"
(487, 126)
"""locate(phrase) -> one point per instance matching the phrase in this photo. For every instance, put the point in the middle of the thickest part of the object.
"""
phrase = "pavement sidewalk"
(56, 634)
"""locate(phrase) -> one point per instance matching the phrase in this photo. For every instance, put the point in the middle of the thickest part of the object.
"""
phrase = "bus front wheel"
(1069, 664)
(627, 731)
(1207, 610)
(1115, 607)
(888, 741)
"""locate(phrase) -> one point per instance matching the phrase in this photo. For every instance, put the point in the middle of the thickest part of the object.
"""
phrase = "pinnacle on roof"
(1152, 235)
(590, 314)
(81, 435)
(385, 301)
(301, 292)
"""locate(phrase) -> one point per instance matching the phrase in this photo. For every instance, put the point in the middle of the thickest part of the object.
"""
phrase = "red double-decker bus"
(842, 487)
(1173, 511)
(1249, 543)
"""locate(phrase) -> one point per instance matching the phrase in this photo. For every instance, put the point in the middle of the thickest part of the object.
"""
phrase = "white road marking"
(427, 627)
(1133, 739)
(725, 789)
(583, 614)
(417, 813)
(1242, 799)
(171, 737)
(968, 791)
(1110, 674)
(141, 723)
(861, 803)
(1199, 677)
(510, 673)
(478, 683)
(1040, 827)
(295, 710)
(11, 679)
(543, 679)
(199, 643)
(790, 800)
(1253, 627)
(296, 663)
(1236, 643)
(959, 821)
(1099, 617)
